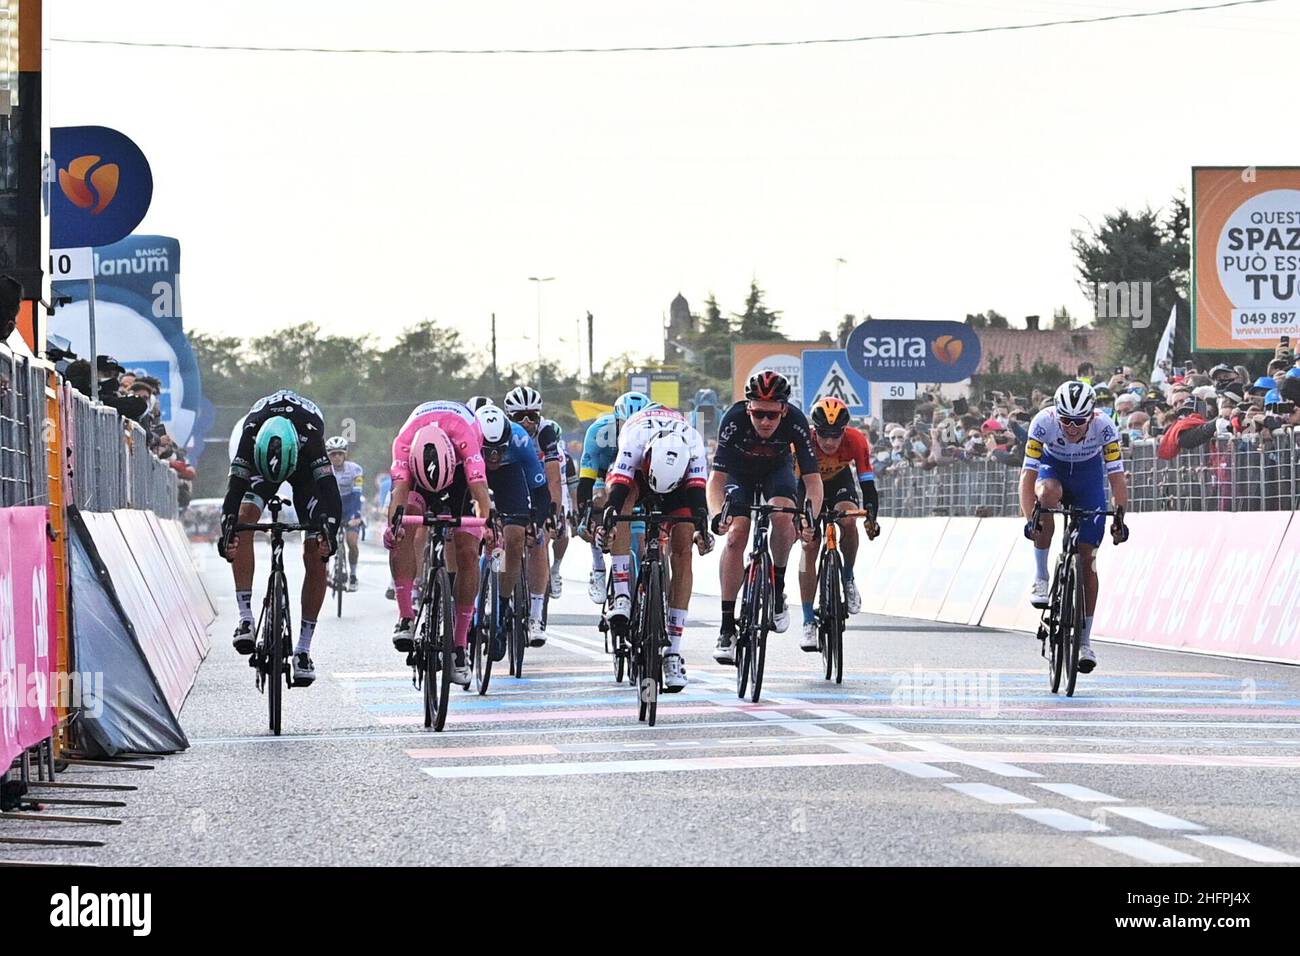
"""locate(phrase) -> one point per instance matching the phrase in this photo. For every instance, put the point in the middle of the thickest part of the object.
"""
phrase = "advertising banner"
(102, 189)
(139, 323)
(1245, 256)
(784, 357)
(27, 652)
(894, 351)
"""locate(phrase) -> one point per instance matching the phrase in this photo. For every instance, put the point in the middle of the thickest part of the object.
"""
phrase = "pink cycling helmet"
(433, 460)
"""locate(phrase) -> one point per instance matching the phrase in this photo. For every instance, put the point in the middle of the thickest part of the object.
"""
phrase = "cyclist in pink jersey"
(437, 467)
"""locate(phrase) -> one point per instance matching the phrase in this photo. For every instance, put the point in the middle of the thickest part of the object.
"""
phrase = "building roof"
(1021, 347)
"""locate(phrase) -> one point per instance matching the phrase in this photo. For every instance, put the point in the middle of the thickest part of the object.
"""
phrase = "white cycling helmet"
(478, 401)
(337, 443)
(494, 426)
(1075, 399)
(523, 398)
(667, 456)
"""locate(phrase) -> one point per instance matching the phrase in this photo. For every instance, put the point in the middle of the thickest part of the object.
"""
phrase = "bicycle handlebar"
(454, 521)
(273, 526)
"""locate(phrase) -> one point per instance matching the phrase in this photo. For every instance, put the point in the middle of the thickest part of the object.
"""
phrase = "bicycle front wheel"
(763, 597)
(519, 629)
(275, 639)
(652, 640)
(484, 636)
(1056, 628)
(1073, 631)
(445, 642)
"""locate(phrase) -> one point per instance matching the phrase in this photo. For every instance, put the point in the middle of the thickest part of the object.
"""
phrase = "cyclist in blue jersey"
(598, 450)
(518, 484)
(352, 484)
(1072, 453)
(523, 406)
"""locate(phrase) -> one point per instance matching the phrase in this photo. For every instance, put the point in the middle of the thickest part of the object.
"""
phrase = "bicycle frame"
(648, 631)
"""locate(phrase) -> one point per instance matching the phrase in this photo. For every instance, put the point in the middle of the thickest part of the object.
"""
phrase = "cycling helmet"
(1074, 399)
(337, 443)
(667, 456)
(523, 398)
(628, 404)
(496, 431)
(830, 417)
(432, 459)
(478, 401)
(275, 451)
(768, 386)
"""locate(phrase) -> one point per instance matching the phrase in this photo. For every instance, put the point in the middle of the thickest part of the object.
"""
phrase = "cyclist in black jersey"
(315, 498)
(759, 440)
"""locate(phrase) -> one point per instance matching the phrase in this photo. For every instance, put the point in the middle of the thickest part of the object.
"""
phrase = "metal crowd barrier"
(1228, 474)
(24, 476)
(112, 466)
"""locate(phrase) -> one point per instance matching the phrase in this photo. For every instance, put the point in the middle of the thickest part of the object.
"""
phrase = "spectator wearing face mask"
(1137, 428)
(1125, 404)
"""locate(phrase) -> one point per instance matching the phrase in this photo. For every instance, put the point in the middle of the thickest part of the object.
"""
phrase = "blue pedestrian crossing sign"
(826, 373)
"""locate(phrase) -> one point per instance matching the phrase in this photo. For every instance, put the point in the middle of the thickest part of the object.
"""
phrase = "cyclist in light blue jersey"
(352, 485)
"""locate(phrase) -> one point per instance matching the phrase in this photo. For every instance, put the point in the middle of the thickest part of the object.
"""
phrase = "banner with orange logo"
(1245, 256)
(102, 188)
(884, 350)
(784, 357)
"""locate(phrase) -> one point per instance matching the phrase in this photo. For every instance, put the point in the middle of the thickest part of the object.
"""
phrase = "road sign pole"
(94, 360)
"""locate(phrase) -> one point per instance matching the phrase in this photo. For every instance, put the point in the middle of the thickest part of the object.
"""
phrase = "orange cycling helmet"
(768, 386)
(830, 416)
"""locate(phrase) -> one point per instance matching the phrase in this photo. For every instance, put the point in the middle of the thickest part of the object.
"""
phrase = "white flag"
(1166, 345)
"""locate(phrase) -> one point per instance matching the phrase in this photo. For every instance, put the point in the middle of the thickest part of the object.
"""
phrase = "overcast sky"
(366, 192)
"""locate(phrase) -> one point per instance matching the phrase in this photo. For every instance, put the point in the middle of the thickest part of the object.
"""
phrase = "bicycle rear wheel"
(1073, 632)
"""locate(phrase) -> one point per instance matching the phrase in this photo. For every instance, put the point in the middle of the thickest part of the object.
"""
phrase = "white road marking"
(1147, 851)
(988, 793)
(1154, 818)
(1076, 792)
(1060, 820)
(1244, 848)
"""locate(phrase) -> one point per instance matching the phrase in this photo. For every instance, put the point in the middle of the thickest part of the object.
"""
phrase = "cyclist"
(352, 484)
(598, 450)
(755, 440)
(848, 482)
(523, 406)
(1071, 454)
(518, 484)
(560, 544)
(282, 439)
(660, 456)
(437, 466)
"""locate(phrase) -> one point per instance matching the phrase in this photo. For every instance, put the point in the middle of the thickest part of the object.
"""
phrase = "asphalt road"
(943, 747)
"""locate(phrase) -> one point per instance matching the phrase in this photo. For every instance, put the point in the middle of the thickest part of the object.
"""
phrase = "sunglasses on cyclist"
(829, 432)
(522, 417)
(765, 416)
(1076, 422)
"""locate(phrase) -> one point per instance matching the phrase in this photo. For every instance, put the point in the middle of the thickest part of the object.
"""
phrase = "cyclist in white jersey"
(1071, 455)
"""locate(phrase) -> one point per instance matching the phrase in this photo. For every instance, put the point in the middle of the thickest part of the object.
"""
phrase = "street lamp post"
(539, 282)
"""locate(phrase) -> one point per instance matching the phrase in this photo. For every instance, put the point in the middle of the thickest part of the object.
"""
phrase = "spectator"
(1189, 429)
(109, 392)
(1125, 404)
(125, 382)
(1086, 373)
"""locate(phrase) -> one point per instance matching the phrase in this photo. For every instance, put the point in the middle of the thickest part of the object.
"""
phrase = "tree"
(1062, 321)
(757, 323)
(997, 320)
(1148, 248)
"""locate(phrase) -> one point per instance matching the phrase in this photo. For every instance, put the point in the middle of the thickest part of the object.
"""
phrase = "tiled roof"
(1020, 346)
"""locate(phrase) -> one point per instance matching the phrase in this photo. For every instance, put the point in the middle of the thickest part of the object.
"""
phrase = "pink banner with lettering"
(27, 649)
